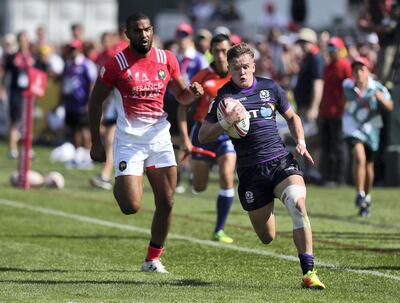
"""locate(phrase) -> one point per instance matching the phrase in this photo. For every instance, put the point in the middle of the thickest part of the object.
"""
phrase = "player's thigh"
(200, 171)
(263, 221)
(128, 191)
(163, 182)
(226, 164)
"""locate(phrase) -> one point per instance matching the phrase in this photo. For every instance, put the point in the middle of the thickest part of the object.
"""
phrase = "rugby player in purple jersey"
(265, 168)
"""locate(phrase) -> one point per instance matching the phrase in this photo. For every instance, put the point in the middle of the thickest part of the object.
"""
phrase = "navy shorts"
(76, 120)
(370, 155)
(221, 146)
(257, 182)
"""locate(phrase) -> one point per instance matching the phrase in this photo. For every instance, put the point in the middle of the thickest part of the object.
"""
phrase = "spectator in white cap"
(222, 30)
(308, 92)
(202, 42)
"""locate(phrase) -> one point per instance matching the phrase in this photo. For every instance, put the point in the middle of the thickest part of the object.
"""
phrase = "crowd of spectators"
(293, 56)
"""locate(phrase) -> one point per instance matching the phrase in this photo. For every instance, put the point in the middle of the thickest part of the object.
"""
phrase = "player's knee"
(268, 237)
(128, 210)
(199, 187)
(127, 205)
(294, 199)
(165, 205)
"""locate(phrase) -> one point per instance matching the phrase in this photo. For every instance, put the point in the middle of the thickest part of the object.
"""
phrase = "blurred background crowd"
(295, 42)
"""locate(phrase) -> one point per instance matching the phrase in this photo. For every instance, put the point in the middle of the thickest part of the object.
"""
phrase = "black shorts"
(15, 105)
(109, 122)
(76, 120)
(369, 153)
(257, 182)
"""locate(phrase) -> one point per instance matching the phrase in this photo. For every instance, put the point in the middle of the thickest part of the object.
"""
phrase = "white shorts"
(132, 159)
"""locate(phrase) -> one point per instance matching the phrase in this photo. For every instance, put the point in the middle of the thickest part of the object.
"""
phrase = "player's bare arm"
(99, 94)
(186, 94)
(209, 132)
(318, 88)
(183, 127)
(297, 132)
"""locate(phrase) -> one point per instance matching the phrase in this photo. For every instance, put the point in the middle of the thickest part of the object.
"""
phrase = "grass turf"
(74, 245)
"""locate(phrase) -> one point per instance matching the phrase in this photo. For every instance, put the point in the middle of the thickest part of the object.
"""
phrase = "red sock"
(154, 253)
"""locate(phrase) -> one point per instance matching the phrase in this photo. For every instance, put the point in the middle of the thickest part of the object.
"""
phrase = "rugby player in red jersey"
(139, 76)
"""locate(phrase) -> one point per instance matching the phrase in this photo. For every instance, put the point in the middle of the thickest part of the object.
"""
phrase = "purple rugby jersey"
(262, 143)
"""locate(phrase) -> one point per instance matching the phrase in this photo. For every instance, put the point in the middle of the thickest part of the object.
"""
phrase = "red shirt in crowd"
(333, 101)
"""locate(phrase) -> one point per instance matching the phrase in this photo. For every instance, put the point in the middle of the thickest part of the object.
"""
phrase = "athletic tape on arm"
(289, 197)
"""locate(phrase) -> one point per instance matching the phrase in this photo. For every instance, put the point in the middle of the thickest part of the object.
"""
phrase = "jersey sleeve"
(109, 73)
(173, 65)
(282, 101)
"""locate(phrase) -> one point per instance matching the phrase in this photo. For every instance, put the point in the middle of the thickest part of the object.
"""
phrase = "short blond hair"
(238, 50)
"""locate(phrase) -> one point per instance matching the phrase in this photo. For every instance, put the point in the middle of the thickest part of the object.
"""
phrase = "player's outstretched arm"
(297, 132)
(99, 94)
(209, 132)
(185, 94)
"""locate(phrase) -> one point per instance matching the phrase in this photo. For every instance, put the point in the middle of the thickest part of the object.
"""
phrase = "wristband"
(224, 124)
(301, 142)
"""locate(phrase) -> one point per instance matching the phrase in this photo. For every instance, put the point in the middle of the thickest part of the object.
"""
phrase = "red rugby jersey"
(139, 85)
(211, 82)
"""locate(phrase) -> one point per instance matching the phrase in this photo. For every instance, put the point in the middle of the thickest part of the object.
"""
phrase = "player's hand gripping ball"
(230, 109)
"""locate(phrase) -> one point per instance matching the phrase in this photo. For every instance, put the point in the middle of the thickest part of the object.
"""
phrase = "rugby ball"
(35, 179)
(54, 180)
(239, 129)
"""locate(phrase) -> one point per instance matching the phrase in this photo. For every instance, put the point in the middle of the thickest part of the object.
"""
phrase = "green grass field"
(74, 245)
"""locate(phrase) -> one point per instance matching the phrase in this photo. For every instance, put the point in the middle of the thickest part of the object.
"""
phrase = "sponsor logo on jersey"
(267, 112)
(249, 197)
(161, 74)
(264, 95)
(122, 165)
(149, 90)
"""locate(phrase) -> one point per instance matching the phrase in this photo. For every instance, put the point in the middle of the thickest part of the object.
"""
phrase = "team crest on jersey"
(161, 74)
(122, 165)
(264, 95)
(249, 197)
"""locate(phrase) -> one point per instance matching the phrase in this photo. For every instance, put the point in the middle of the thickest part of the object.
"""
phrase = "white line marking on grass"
(101, 222)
